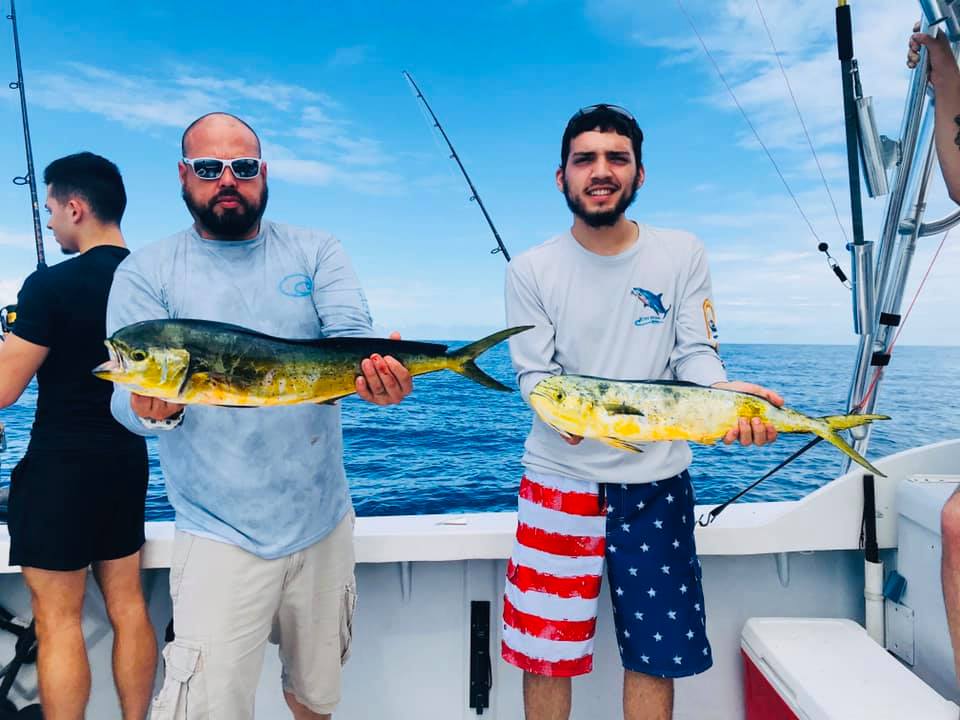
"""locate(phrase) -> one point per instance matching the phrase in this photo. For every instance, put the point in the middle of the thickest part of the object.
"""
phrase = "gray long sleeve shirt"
(270, 480)
(645, 314)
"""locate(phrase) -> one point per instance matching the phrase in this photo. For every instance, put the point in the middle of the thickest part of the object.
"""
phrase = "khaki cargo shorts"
(227, 604)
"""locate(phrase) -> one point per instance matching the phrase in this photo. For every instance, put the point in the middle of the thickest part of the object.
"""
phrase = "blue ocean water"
(455, 447)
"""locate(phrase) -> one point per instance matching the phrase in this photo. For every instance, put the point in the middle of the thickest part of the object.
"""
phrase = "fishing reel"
(8, 316)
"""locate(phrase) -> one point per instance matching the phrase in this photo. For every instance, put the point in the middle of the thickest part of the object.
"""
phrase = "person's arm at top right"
(532, 352)
(135, 297)
(945, 78)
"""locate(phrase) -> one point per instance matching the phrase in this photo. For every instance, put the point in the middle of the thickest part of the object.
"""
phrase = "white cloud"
(174, 98)
(131, 100)
(278, 95)
(805, 37)
(285, 164)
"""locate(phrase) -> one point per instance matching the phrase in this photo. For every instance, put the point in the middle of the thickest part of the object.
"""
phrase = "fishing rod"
(501, 248)
(30, 178)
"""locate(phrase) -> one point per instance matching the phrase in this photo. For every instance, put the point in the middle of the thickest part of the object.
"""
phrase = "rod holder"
(871, 150)
(864, 300)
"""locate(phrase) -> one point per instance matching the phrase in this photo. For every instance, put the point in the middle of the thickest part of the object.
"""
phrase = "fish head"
(562, 404)
(145, 361)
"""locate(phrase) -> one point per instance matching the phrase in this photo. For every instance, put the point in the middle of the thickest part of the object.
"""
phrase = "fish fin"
(365, 345)
(335, 399)
(469, 369)
(621, 444)
(187, 375)
(827, 427)
(621, 408)
(679, 383)
(463, 358)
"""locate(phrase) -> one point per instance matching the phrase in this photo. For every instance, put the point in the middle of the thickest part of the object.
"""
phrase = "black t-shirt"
(64, 308)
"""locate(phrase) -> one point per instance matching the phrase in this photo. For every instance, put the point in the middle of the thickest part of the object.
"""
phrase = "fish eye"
(138, 355)
(560, 395)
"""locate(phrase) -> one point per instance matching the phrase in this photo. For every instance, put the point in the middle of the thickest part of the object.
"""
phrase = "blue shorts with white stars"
(654, 577)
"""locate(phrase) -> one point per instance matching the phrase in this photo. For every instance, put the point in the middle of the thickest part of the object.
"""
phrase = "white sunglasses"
(244, 168)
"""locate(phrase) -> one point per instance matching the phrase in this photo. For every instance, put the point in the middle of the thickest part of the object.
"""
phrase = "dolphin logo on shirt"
(651, 301)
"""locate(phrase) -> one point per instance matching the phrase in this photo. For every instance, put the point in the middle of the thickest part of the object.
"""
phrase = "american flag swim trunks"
(567, 530)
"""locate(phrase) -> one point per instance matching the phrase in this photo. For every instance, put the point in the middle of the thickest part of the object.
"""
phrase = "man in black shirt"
(77, 497)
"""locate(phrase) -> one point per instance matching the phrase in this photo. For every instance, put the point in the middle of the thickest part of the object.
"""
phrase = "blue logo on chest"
(296, 285)
(652, 310)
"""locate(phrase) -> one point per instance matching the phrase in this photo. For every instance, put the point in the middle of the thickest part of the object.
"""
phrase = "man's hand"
(944, 73)
(384, 381)
(153, 408)
(751, 431)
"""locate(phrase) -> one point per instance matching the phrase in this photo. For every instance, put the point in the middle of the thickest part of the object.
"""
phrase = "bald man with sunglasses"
(264, 541)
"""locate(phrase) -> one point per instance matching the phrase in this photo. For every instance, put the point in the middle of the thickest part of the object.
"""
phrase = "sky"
(350, 151)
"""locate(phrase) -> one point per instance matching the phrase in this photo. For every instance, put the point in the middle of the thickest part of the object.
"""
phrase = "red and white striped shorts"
(553, 577)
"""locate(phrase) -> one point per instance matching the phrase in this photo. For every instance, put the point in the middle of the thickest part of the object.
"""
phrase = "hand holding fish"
(751, 431)
(384, 381)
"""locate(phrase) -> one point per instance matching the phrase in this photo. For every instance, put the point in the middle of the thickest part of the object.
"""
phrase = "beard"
(601, 218)
(232, 223)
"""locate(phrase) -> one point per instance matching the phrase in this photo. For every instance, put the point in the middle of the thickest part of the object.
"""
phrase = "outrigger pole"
(30, 178)
(879, 284)
(474, 195)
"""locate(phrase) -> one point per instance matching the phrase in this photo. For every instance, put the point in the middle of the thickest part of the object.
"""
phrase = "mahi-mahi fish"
(211, 363)
(626, 413)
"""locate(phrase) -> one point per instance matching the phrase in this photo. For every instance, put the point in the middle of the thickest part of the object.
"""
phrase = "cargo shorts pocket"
(183, 695)
(346, 619)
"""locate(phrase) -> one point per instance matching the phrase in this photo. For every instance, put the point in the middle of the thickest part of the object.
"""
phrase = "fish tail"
(462, 360)
(826, 428)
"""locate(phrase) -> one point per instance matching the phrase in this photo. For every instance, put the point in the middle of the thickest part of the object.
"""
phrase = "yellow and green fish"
(626, 413)
(211, 363)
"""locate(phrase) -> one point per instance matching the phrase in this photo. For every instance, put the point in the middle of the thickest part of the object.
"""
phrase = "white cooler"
(829, 669)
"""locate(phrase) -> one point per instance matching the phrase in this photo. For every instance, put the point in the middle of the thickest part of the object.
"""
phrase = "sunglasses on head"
(603, 106)
(246, 168)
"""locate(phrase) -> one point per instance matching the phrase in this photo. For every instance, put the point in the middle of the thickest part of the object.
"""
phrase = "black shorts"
(70, 509)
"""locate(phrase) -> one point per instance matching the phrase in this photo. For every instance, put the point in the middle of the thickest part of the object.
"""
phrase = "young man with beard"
(264, 541)
(617, 299)
(77, 496)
